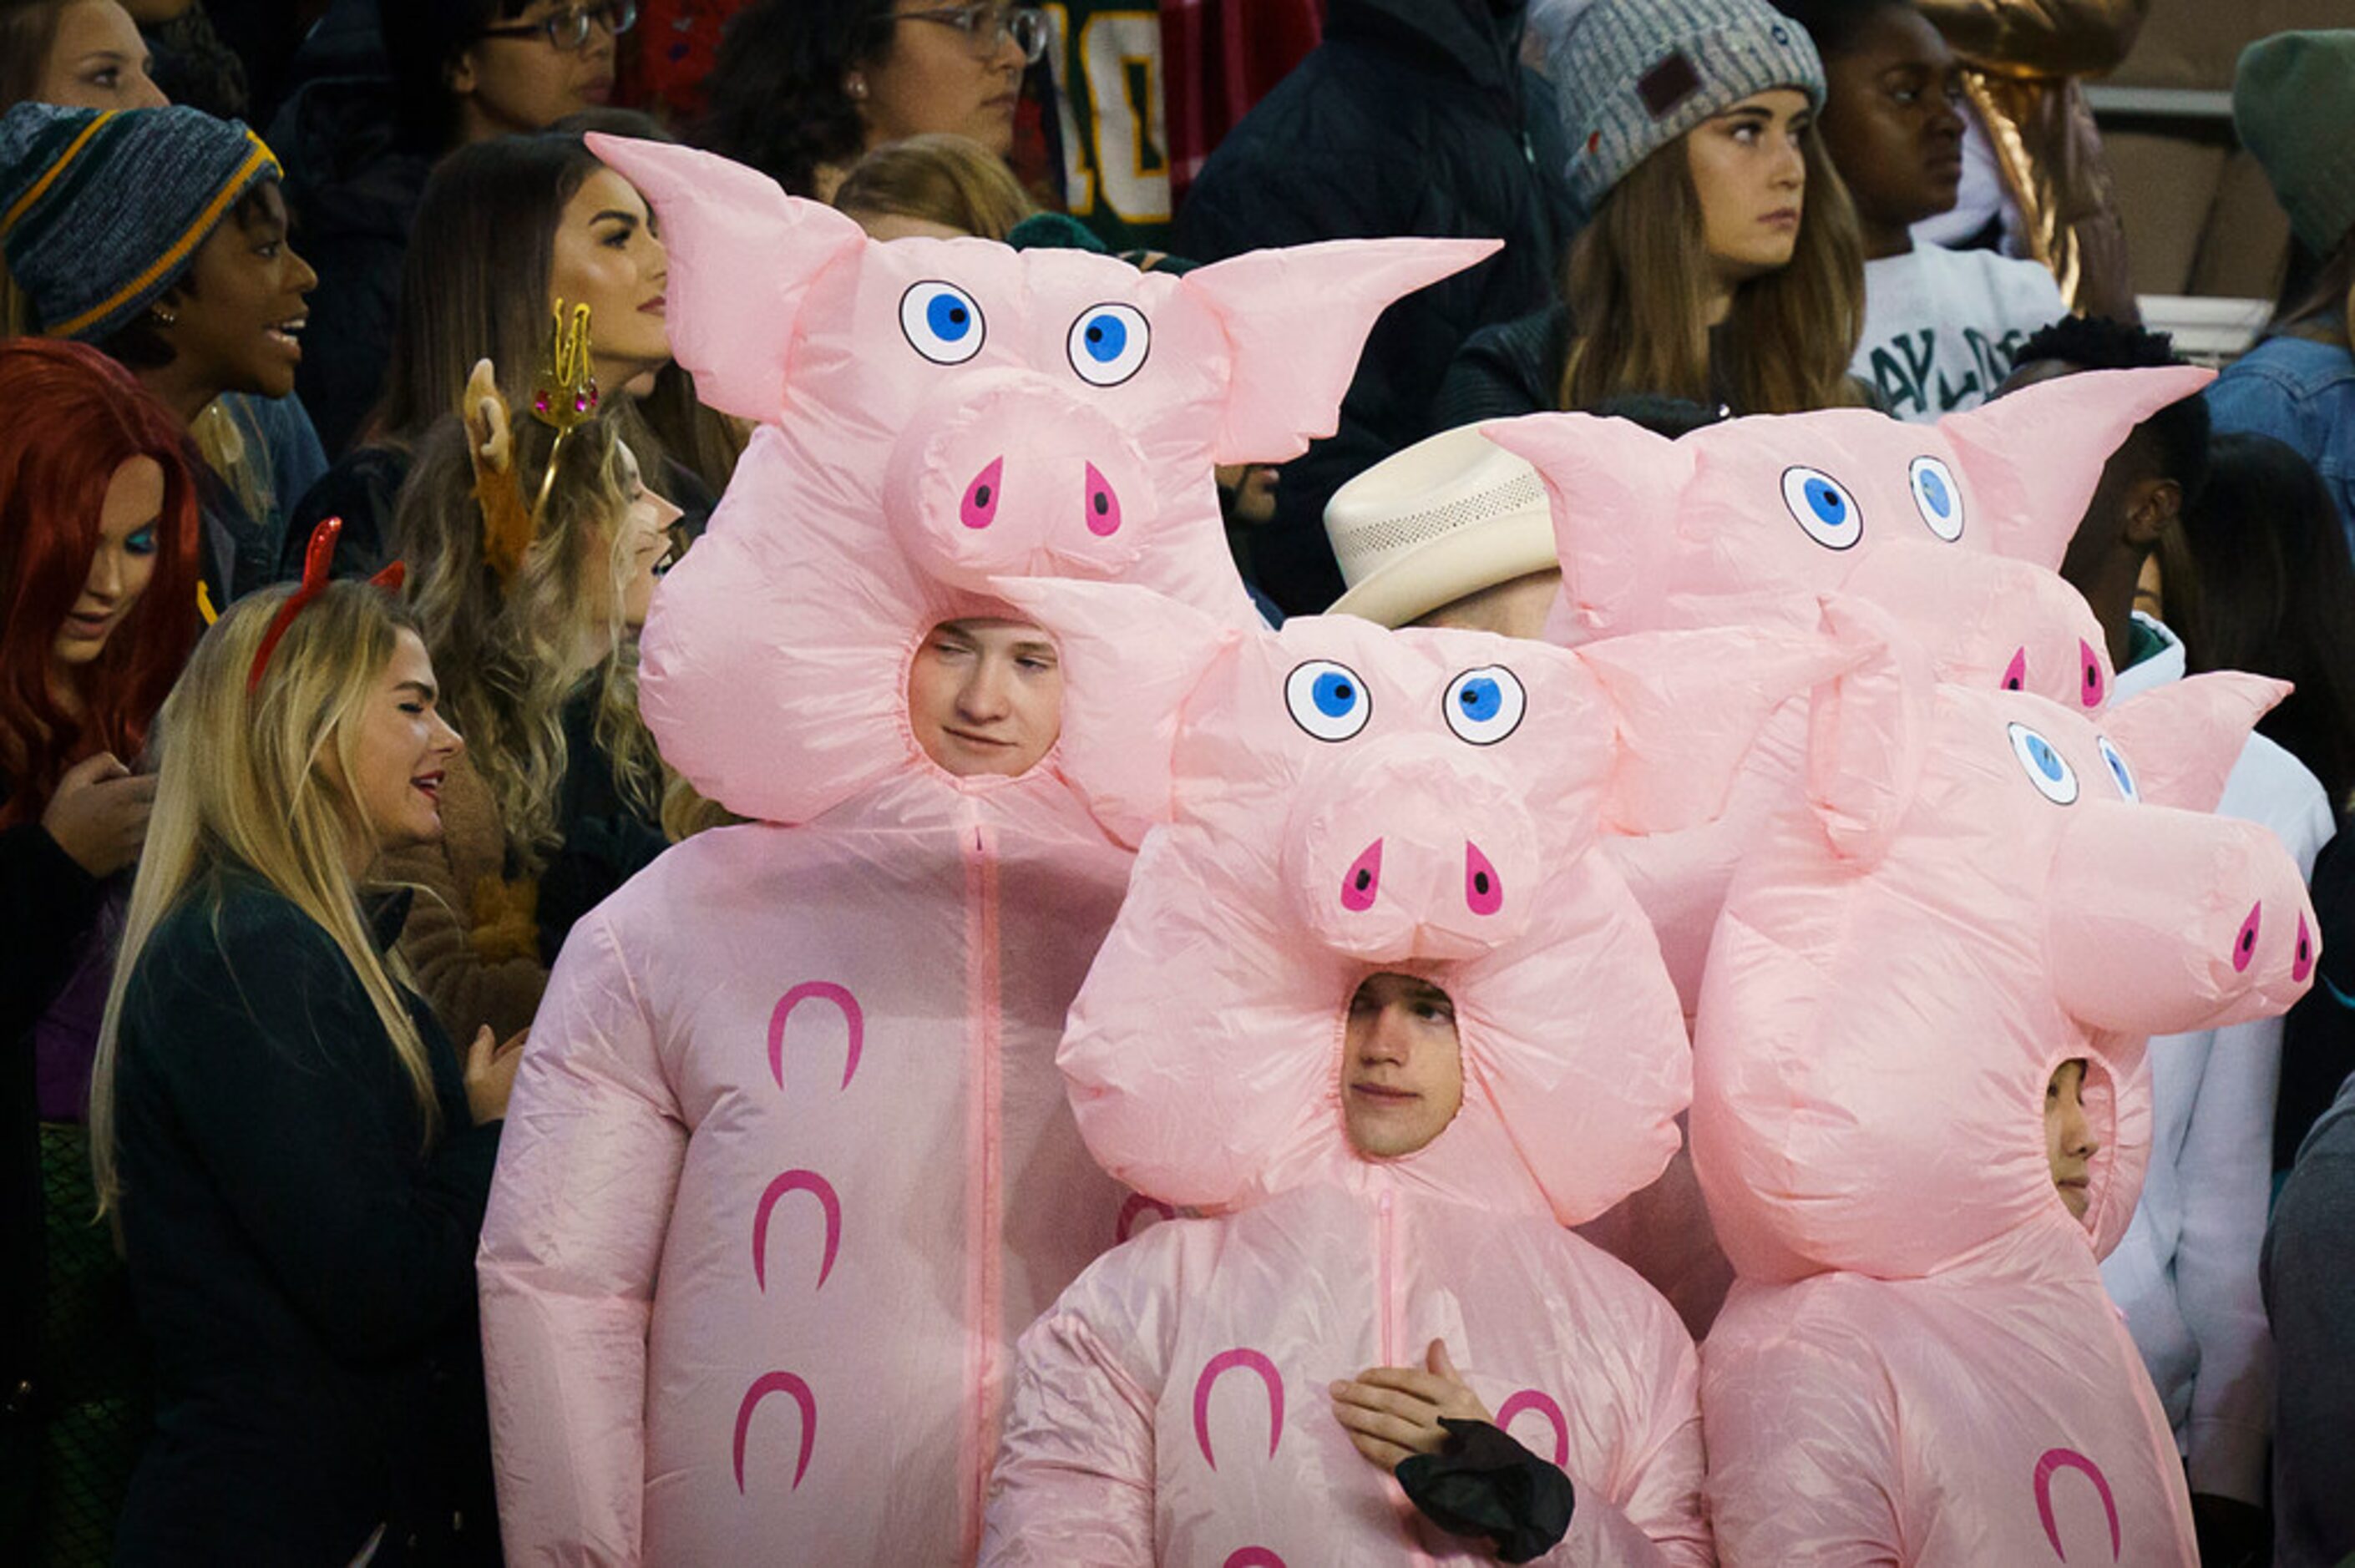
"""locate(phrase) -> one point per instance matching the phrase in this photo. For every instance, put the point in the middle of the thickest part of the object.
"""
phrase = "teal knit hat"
(102, 212)
(2290, 98)
(1632, 76)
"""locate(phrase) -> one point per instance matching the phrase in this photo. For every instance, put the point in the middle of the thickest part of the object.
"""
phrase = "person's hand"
(490, 1073)
(1391, 1413)
(99, 814)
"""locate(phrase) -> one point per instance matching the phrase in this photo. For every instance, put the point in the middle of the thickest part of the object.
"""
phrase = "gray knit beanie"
(102, 212)
(2290, 96)
(1632, 76)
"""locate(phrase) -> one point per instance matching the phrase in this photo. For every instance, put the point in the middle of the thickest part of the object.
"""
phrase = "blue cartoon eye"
(1328, 700)
(941, 321)
(1485, 705)
(1823, 507)
(1109, 344)
(2045, 766)
(2119, 771)
(1937, 497)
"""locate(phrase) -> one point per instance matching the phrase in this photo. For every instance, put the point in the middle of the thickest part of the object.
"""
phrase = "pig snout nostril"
(2301, 963)
(1363, 880)
(2244, 946)
(1483, 890)
(979, 508)
(2091, 662)
(2015, 675)
(1103, 505)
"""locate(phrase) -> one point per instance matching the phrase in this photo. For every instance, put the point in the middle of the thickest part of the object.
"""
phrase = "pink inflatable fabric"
(1953, 529)
(1340, 799)
(1919, 1364)
(788, 1165)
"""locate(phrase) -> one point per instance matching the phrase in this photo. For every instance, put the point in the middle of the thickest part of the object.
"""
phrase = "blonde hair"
(510, 659)
(245, 784)
(1638, 284)
(942, 178)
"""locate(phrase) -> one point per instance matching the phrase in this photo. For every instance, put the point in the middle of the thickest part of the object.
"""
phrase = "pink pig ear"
(1868, 734)
(1686, 707)
(2181, 739)
(1131, 657)
(1613, 488)
(743, 256)
(2034, 456)
(1296, 321)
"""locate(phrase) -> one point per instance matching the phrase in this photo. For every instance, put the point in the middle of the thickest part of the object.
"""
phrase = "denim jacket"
(2301, 392)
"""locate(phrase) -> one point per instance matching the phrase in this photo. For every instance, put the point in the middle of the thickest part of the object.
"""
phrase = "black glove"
(1483, 1483)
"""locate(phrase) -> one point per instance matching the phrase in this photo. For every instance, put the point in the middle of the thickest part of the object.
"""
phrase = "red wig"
(73, 416)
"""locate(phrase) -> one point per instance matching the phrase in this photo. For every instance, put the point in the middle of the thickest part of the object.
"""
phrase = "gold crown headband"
(564, 397)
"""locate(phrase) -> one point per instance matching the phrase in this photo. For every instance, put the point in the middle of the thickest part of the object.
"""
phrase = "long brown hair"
(1637, 284)
(29, 29)
(507, 655)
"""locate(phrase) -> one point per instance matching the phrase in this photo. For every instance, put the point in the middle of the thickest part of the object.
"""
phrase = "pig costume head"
(1953, 529)
(992, 413)
(1341, 800)
(1986, 884)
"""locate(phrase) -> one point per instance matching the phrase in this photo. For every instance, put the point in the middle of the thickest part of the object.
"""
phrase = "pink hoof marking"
(2244, 946)
(1103, 506)
(979, 507)
(1138, 1204)
(1252, 1557)
(763, 1387)
(817, 1187)
(1483, 890)
(822, 991)
(1363, 880)
(2091, 688)
(1226, 1360)
(2052, 1463)
(1543, 1403)
(2301, 962)
(2015, 675)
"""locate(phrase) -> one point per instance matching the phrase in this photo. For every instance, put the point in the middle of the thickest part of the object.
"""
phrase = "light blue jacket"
(2302, 393)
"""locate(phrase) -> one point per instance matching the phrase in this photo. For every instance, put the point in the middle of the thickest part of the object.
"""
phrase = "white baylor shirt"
(1941, 326)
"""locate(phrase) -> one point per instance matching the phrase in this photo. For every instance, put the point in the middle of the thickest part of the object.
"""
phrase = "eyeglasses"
(987, 24)
(568, 28)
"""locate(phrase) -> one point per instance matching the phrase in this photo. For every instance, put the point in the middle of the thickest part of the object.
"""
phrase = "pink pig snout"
(1013, 476)
(2164, 921)
(1409, 850)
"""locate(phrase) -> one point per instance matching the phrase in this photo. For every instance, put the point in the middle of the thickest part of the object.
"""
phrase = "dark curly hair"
(775, 90)
(2177, 434)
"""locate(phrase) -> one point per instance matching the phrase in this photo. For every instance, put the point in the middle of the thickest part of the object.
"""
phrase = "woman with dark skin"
(1940, 326)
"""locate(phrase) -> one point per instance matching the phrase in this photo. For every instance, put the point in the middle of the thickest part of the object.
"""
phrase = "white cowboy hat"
(1445, 518)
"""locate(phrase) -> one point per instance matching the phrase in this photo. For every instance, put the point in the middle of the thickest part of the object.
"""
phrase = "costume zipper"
(985, 1372)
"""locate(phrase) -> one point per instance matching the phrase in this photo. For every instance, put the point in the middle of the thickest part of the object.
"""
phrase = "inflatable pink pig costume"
(1919, 1364)
(1343, 800)
(1954, 530)
(788, 1164)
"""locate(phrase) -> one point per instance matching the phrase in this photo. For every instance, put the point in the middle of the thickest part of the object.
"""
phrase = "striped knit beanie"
(101, 213)
(1632, 76)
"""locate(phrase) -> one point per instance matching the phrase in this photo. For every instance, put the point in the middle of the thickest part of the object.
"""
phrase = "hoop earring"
(855, 87)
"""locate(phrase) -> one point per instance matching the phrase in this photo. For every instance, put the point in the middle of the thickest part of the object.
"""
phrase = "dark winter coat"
(302, 1262)
(1414, 117)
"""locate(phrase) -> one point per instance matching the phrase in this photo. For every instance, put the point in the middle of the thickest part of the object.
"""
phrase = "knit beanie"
(102, 212)
(2290, 96)
(1632, 76)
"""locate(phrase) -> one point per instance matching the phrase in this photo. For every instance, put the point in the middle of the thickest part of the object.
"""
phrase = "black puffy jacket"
(1412, 117)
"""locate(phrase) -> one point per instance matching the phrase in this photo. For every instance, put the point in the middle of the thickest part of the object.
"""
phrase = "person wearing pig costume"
(788, 1164)
(1343, 801)
(1954, 530)
(1918, 1364)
